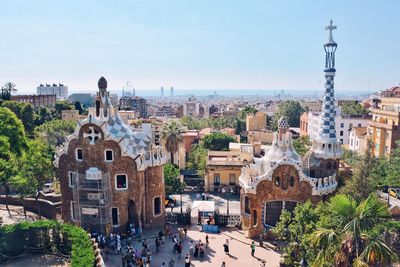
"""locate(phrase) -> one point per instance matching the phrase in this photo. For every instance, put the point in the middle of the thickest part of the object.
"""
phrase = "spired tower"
(326, 144)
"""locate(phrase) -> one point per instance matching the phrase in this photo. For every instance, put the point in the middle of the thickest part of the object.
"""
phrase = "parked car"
(170, 201)
(48, 188)
(394, 192)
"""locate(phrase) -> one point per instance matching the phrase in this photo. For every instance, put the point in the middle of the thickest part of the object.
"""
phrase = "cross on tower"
(330, 28)
(92, 135)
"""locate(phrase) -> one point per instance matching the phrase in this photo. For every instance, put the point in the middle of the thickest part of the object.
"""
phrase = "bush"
(68, 239)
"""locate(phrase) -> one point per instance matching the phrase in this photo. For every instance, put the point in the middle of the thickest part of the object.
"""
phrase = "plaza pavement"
(239, 247)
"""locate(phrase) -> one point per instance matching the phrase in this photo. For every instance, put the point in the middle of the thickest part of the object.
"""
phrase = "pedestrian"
(172, 208)
(144, 244)
(123, 259)
(253, 248)
(180, 250)
(181, 235)
(191, 248)
(199, 218)
(163, 264)
(223, 264)
(171, 263)
(158, 243)
(226, 247)
(196, 250)
(207, 242)
(185, 231)
(175, 240)
(187, 261)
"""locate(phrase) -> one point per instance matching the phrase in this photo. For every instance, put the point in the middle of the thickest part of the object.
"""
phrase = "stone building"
(70, 115)
(36, 101)
(109, 175)
(281, 179)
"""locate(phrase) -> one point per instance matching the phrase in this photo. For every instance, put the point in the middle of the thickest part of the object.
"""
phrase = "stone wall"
(48, 209)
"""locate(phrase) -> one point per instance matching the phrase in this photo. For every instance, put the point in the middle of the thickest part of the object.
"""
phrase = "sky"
(207, 44)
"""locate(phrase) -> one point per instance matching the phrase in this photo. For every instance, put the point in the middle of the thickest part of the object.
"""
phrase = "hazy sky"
(210, 44)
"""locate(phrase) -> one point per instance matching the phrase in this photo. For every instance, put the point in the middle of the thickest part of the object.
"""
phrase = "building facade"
(256, 122)
(70, 115)
(383, 129)
(60, 90)
(135, 103)
(358, 140)
(110, 176)
(281, 179)
(304, 124)
(36, 101)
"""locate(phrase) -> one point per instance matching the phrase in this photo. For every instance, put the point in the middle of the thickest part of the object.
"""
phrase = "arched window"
(291, 181)
(246, 205)
(254, 217)
(277, 181)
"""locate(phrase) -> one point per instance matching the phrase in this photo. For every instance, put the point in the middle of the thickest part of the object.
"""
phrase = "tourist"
(199, 219)
(223, 264)
(180, 247)
(171, 263)
(149, 258)
(163, 264)
(158, 243)
(207, 242)
(185, 230)
(123, 259)
(187, 261)
(226, 247)
(253, 248)
(191, 248)
(201, 250)
(181, 235)
(196, 250)
(144, 244)
(175, 240)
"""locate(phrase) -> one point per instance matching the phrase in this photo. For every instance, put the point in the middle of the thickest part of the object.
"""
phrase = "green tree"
(55, 132)
(24, 112)
(24, 185)
(248, 110)
(302, 145)
(349, 238)
(43, 114)
(291, 110)
(172, 182)
(12, 128)
(60, 106)
(197, 159)
(362, 183)
(78, 107)
(353, 108)
(6, 166)
(7, 90)
(171, 133)
(218, 141)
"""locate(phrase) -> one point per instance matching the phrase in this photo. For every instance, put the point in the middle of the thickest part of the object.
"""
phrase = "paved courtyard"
(214, 255)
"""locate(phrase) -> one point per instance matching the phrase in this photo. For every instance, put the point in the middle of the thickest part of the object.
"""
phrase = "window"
(277, 181)
(157, 206)
(232, 178)
(291, 181)
(341, 125)
(114, 213)
(72, 206)
(71, 179)
(359, 125)
(341, 133)
(121, 182)
(79, 154)
(109, 155)
(217, 179)
(246, 205)
(341, 141)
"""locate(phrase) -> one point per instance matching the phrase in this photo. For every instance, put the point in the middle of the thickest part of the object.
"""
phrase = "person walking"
(223, 264)
(158, 243)
(187, 260)
(253, 248)
(226, 247)
(171, 263)
(207, 241)
(191, 248)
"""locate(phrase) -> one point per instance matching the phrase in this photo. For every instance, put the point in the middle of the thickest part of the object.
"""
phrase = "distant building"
(84, 99)
(136, 103)
(261, 136)
(358, 140)
(343, 124)
(171, 91)
(223, 169)
(165, 111)
(162, 91)
(127, 115)
(70, 115)
(193, 108)
(36, 101)
(60, 90)
(391, 92)
(256, 122)
(384, 129)
(304, 124)
(311, 105)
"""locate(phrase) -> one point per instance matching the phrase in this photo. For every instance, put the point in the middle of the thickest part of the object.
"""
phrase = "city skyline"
(193, 46)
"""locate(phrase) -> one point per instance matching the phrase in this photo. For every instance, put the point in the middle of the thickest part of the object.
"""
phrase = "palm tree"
(352, 238)
(7, 90)
(172, 135)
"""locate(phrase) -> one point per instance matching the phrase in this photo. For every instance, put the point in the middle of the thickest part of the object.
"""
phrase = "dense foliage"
(302, 145)
(353, 108)
(291, 110)
(215, 123)
(198, 159)
(171, 135)
(218, 141)
(55, 132)
(342, 232)
(66, 238)
(172, 182)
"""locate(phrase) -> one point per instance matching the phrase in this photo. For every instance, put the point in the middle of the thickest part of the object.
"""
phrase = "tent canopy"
(204, 205)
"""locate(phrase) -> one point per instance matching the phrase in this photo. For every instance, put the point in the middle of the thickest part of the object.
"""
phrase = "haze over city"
(207, 45)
